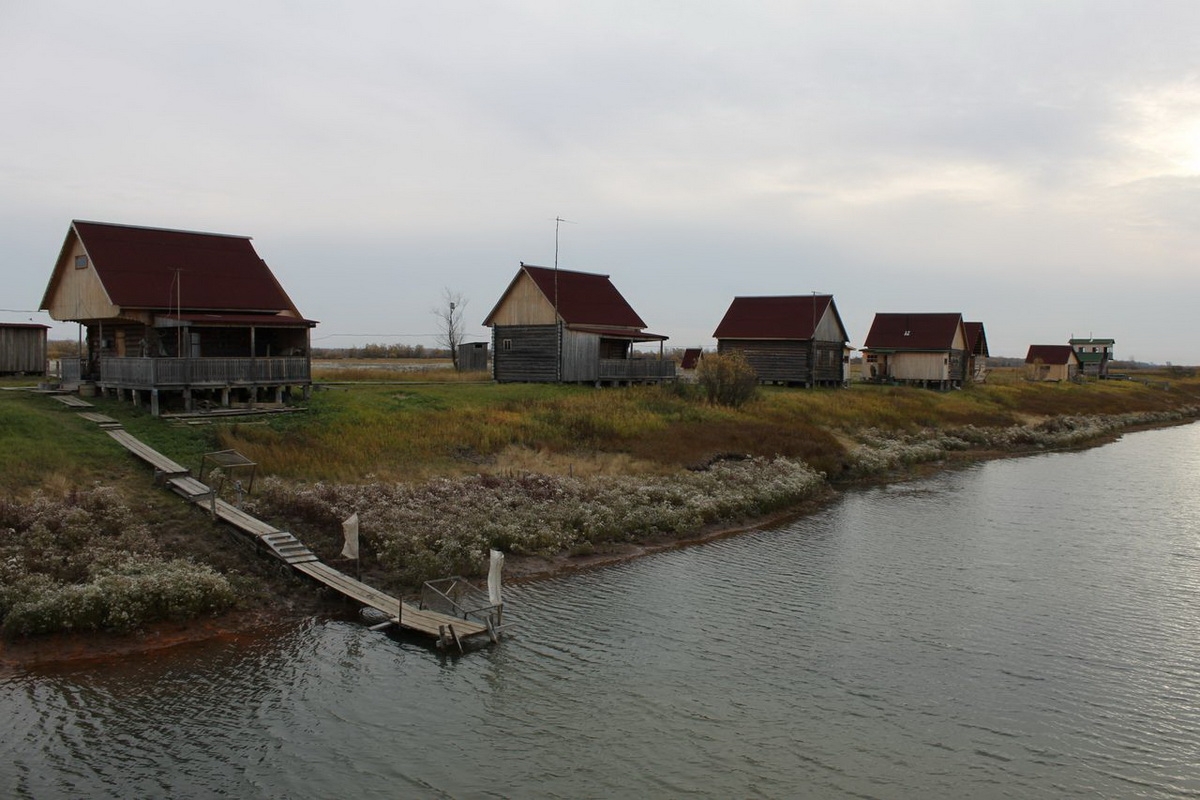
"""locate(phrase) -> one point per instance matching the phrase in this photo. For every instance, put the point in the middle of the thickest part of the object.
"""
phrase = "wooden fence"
(166, 372)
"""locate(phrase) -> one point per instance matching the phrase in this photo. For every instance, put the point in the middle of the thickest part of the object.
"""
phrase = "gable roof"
(581, 298)
(781, 317)
(976, 338)
(161, 269)
(691, 358)
(1050, 354)
(913, 332)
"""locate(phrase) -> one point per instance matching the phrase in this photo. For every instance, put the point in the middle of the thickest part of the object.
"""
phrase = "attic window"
(80, 262)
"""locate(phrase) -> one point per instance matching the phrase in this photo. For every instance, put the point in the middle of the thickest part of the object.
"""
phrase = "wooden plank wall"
(23, 350)
(529, 356)
(789, 361)
(581, 357)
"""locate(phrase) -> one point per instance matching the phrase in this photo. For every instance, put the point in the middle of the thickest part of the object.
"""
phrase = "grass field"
(413, 430)
(541, 470)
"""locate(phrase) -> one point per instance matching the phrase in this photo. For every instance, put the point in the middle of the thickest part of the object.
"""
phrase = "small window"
(908, 333)
(506, 344)
(80, 262)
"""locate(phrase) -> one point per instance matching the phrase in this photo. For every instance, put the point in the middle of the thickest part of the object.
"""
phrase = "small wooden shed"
(689, 364)
(22, 348)
(797, 340)
(924, 349)
(473, 357)
(1051, 362)
(562, 326)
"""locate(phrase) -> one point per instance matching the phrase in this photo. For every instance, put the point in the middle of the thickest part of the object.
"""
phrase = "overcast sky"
(1033, 165)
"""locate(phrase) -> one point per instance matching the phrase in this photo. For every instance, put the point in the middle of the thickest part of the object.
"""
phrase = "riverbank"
(572, 518)
(1098, 434)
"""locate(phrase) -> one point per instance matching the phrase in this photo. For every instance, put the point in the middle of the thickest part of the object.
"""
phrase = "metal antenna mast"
(557, 321)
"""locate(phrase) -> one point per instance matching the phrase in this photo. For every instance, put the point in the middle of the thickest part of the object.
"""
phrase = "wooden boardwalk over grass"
(448, 630)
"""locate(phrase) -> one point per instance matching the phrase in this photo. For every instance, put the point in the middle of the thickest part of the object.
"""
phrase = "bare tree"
(450, 322)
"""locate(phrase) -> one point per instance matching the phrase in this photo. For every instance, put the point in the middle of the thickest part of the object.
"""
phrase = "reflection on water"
(1022, 628)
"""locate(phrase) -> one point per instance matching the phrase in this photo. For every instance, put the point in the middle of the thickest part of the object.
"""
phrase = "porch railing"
(70, 370)
(158, 372)
(635, 369)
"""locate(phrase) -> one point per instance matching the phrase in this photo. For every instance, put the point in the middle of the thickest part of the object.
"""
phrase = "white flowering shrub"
(882, 452)
(446, 526)
(85, 563)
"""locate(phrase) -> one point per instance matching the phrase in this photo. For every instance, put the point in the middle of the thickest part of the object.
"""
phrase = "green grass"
(375, 447)
(415, 431)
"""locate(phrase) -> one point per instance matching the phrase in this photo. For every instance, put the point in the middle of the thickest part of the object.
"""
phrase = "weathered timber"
(147, 453)
(72, 401)
(103, 420)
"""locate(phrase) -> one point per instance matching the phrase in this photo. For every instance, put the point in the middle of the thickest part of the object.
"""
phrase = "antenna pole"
(557, 321)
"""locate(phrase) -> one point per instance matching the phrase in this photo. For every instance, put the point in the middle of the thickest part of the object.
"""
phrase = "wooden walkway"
(448, 630)
(72, 401)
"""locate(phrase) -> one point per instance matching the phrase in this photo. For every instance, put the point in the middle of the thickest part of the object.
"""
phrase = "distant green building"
(1094, 355)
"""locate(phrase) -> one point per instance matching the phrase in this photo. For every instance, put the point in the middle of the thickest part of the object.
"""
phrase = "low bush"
(446, 526)
(84, 562)
(727, 379)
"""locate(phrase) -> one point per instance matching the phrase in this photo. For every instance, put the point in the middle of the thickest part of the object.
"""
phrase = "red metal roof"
(691, 358)
(784, 317)
(584, 298)
(620, 333)
(913, 332)
(1050, 354)
(976, 338)
(154, 268)
(240, 320)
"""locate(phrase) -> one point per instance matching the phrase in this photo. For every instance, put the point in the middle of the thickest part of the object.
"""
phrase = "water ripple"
(1021, 628)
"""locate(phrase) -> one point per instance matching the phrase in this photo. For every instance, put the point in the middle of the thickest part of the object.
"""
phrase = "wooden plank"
(240, 519)
(72, 401)
(147, 453)
(348, 586)
(189, 487)
(97, 417)
(427, 621)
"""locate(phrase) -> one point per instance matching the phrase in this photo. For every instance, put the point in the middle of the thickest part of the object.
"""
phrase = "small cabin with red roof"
(924, 349)
(562, 326)
(797, 340)
(178, 313)
(1051, 362)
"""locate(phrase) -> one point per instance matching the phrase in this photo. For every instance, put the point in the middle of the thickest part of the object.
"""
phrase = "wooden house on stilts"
(562, 326)
(177, 313)
(927, 350)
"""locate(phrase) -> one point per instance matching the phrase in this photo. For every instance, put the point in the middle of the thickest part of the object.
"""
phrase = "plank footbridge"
(449, 630)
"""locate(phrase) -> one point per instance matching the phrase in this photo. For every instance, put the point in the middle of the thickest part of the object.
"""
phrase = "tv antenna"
(177, 285)
(558, 221)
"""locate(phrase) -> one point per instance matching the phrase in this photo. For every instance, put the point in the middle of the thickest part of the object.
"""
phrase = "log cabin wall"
(524, 353)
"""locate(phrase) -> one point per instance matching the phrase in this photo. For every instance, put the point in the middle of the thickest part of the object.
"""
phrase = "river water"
(1021, 628)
